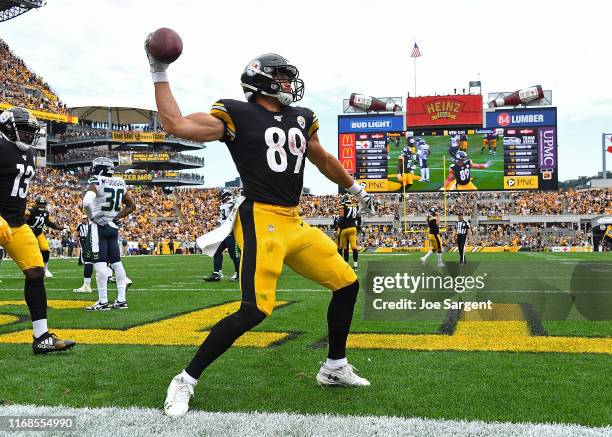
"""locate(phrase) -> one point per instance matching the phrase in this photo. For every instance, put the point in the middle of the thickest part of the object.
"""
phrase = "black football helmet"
(461, 156)
(433, 210)
(345, 199)
(40, 202)
(19, 126)
(266, 74)
(102, 166)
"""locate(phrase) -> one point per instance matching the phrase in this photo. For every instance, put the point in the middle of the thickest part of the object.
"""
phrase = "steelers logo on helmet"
(20, 127)
(272, 75)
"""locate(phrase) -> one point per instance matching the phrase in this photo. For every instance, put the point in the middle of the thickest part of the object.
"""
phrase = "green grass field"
(489, 179)
(450, 384)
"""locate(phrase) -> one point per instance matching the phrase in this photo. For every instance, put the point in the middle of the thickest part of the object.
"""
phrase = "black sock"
(355, 255)
(88, 271)
(339, 318)
(45, 255)
(36, 298)
(346, 253)
(223, 335)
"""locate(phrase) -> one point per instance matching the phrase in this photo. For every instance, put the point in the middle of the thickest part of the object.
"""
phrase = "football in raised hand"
(165, 45)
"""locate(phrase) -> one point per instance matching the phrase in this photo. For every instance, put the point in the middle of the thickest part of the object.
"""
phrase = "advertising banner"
(138, 137)
(454, 110)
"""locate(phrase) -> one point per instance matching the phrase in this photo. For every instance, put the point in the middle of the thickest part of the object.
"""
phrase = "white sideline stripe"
(117, 422)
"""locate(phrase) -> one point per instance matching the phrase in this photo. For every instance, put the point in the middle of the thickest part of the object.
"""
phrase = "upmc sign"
(521, 118)
(454, 110)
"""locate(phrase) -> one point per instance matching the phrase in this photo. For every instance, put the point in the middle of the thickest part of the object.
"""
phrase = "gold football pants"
(270, 236)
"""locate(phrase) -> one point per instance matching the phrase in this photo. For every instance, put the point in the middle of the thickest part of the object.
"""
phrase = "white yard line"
(118, 422)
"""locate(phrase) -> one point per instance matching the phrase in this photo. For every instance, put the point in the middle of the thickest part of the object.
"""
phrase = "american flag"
(415, 51)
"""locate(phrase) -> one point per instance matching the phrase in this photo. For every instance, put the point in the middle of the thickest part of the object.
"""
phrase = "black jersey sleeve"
(219, 110)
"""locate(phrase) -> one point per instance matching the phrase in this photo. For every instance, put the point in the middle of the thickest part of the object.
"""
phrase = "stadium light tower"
(13, 8)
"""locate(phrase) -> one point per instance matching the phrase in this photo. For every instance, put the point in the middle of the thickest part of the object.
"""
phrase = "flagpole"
(415, 88)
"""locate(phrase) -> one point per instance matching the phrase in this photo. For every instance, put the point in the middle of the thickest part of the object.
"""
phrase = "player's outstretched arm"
(196, 127)
(485, 165)
(331, 168)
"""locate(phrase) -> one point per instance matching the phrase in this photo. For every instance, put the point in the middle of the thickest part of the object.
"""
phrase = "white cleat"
(441, 265)
(48, 274)
(234, 277)
(423, 260)
(83, 289)
(177, 399)
(344, 376)
(128, 282)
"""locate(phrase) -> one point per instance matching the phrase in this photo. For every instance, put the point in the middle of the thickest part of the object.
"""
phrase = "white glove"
(101, 220)
(366, 203)
(158, 68)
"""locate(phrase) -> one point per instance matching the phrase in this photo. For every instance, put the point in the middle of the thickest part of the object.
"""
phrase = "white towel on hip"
(210, 241)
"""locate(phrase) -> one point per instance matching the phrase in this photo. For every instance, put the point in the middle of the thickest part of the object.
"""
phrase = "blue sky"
(91, 54)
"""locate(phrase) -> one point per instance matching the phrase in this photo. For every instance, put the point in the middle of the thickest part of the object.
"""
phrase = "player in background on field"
(433, 237)
(463, 142)
(227, 204)
(106, 202)
(88, 268)
(405, 173)
(349, 223)
(489, 141)
(423, 153)
(37, 218)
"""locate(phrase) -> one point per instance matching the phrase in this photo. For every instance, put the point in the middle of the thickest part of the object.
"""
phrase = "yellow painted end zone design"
(185, 330)
(472, 334)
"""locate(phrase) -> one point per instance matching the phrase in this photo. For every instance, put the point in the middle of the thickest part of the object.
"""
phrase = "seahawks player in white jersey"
(227, 204)
(105, 203)
(423, 153)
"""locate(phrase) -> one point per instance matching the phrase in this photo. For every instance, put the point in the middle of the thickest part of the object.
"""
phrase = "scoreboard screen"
(517, 150)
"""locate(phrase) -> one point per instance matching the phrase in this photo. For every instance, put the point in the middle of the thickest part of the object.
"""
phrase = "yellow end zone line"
(184, 330)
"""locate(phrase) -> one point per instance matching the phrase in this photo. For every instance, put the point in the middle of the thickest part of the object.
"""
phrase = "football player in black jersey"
(349, 222)
(37, 218)
(405, 174)
(460, 174)
(269, 141)
(19, 130)
(435, 241)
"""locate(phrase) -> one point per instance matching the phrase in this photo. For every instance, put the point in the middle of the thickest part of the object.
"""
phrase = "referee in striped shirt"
(461, 235)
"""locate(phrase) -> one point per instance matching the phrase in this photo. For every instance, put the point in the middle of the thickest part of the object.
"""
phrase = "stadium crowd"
(22, 87)
(183, 214)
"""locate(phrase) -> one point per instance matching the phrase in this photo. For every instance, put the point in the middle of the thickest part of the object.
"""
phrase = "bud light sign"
(522, 118)
(371, 123)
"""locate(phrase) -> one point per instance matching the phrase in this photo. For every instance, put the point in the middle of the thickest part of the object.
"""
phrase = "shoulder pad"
(94, 180)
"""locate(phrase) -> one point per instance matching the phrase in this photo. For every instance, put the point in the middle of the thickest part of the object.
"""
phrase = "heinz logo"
(444, 109)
